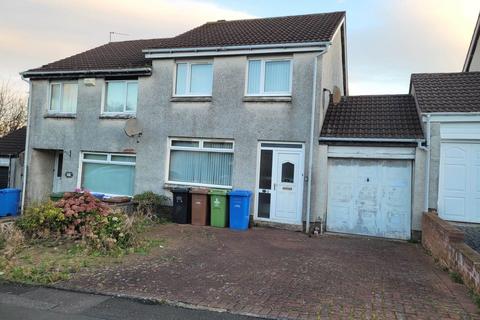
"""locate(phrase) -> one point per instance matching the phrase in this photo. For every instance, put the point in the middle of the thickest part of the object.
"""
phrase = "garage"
(459, 182)
(370, 197)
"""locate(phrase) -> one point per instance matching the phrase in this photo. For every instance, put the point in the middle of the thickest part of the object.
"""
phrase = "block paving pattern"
(284, 274)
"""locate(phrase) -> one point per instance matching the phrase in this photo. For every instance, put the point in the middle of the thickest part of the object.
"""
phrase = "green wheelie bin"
(218, 208)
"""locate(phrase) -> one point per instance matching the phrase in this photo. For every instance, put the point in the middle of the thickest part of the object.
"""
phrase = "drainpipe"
(26, 153)
(427, 119)
(312, 137)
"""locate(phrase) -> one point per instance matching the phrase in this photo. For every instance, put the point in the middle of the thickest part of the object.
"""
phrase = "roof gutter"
(93, 72)
(236, 50)
(371, 140)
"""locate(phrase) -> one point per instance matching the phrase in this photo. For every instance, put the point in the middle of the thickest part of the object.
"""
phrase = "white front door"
(459, 185)
(280, 184)
(370, 197)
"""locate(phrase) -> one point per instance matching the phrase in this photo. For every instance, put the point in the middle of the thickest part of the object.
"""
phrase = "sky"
(387, 40)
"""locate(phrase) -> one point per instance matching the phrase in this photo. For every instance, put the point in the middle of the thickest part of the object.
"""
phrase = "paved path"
(472, 235)
(285, 274)
(31, 303)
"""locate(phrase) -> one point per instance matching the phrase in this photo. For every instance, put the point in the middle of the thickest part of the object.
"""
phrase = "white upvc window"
(63, 97)
(193, 79)
(269, 77)
(120, 96)
(200, 162)
(108, 173)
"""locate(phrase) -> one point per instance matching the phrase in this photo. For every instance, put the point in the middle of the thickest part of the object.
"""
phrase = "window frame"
(262, 92)
(188, 78)
(200, 148)
(49, 100)
(108, 161)
(105, 97)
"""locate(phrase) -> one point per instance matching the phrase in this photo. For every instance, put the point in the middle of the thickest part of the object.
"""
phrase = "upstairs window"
(63, 97)
(269, 77)
(121, 96)
(194, 79)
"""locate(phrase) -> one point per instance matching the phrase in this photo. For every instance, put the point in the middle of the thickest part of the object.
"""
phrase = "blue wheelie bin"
(239, 209)
(9, 202)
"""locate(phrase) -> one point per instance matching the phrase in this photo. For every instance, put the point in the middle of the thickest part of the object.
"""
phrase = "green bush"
(42, 221)
(150, 204)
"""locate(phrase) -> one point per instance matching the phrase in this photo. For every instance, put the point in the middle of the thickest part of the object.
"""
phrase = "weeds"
(456, 277)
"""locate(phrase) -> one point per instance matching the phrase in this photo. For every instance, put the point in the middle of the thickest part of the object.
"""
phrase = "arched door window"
(288, 170)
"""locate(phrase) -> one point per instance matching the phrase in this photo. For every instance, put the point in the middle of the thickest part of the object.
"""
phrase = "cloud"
(36, 32)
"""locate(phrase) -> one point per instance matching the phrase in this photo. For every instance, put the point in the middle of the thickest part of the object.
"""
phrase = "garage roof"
(373, 117)
(447, 92)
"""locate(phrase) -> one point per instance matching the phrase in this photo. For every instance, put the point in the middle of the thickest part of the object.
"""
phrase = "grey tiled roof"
(447, 92)
(128, 54)
(14, 142)
(373, 116)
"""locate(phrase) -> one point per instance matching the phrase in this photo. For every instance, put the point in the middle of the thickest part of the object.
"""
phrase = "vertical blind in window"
(201, 162)
(268, 77)
(194, 79)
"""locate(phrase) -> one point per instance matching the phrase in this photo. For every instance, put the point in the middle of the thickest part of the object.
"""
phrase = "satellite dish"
(132, 128)
(337, 95)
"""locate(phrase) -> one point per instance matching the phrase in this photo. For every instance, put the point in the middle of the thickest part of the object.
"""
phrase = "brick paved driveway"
(285, 274)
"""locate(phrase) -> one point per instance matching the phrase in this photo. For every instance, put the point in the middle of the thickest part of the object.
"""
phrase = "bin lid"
(180, 190)
(10, 190)
(240, 193)
(218, 192)
(199, 190)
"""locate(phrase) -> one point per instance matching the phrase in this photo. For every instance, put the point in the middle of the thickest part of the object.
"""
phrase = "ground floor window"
(201, 162)
(108, 173)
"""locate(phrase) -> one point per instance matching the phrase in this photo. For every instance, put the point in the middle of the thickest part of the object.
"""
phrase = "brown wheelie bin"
(199, 206)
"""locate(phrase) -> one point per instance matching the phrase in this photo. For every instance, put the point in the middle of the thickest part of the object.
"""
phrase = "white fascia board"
(370, 139)
(371, 152)
(452, 117)
(236, 50)
(39, 73)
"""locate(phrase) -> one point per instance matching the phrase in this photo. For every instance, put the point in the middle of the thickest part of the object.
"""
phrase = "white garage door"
(459, 187)
(370, 197)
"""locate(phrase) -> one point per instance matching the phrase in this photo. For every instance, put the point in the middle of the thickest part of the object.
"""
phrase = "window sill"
(267, 99)
(117, 116)
(60, 115)
(173, 185)
(191, 99)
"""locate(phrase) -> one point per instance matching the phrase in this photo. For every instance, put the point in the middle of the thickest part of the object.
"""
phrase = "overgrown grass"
(475, 297)
(47, 261)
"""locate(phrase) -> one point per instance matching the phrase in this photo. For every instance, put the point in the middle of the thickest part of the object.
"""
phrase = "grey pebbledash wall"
(226, 116)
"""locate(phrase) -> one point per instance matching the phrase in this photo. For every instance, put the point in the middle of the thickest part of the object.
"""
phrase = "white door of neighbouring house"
(459, 182)
(58, 172)
(370, 197)
(280, 183)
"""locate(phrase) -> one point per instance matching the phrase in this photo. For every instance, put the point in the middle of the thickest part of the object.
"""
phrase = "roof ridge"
(276, 17)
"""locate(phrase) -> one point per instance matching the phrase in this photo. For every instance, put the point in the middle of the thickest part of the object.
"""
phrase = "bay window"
(121, 96)
(108, 173)
(201, 162)
(63, 97)
(193, 79)
(270, 77)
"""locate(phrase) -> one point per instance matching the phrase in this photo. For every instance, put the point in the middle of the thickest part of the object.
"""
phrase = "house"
(12, 146)
(229, 104)
(472, 62)
(449, 106)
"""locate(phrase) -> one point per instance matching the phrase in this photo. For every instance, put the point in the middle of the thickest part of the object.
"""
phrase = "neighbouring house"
(472, 62)
(449, 104)
(12, 146)
(229, 104)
